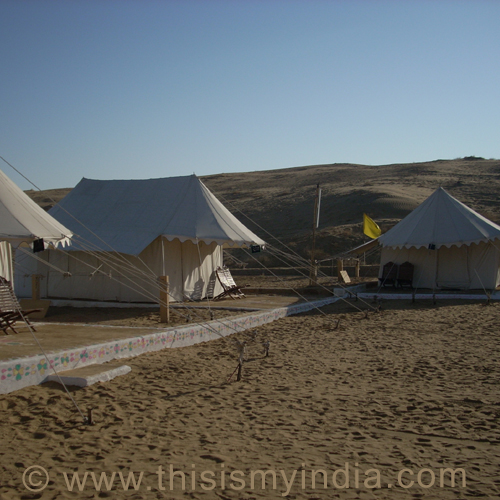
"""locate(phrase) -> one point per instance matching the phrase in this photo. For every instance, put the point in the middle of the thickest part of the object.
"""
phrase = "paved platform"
(277, 297)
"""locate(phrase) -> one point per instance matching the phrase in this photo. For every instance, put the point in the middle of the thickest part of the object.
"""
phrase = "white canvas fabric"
(474, 267)
(23, 221)
(187, 278)
(127, 215)
(450, 245)
(6, 267)
(440, 220)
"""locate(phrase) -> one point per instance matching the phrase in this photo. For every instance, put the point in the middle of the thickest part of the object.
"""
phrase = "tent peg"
(89, 420)
(266, 348)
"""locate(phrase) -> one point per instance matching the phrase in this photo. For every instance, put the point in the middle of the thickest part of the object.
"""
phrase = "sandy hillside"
(411, 391)
(280, 203)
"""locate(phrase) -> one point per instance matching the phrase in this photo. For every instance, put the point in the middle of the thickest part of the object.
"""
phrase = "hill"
(280, 203)
(49, 197)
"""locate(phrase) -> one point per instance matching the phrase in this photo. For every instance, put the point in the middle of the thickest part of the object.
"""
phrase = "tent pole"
(35, 286)
(436, 276)
(314, 269)
(163, 255)
(164, 300)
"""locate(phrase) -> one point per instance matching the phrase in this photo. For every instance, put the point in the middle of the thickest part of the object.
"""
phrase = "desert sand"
(412, 390)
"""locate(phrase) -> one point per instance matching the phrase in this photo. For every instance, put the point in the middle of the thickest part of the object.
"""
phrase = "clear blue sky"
(118, 89)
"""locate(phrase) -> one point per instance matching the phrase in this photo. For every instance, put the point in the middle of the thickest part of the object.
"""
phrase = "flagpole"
(314, 270)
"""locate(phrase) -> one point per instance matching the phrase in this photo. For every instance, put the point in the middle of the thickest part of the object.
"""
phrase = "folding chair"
(229, 286)
(389, 274)
(405, 275)
(10, 309)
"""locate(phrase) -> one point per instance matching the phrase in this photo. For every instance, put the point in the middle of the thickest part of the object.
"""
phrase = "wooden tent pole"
(314, 270)
(340, 267)
(164, 300)
(35, 286)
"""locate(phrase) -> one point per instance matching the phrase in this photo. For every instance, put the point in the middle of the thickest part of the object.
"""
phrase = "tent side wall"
(484, 265)
(126, 278)
(466, 267)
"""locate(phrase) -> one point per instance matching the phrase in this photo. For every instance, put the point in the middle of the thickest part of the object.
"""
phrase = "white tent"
(22, 222)
(450, 245)
(132, 231)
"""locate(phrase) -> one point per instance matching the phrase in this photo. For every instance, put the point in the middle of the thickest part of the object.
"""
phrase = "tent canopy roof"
(127, 215)
(440, 220)
(23, 221)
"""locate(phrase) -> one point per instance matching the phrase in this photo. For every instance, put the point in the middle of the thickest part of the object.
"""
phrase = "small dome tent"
(450, 245)
(131, 231)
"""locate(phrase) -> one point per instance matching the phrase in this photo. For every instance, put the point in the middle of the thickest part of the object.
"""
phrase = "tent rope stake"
(266, 348)
(241, 358)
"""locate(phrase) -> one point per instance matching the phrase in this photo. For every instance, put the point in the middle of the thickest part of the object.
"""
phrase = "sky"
(136, 89)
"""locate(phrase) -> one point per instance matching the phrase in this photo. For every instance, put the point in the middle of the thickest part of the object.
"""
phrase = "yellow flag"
(370, 227)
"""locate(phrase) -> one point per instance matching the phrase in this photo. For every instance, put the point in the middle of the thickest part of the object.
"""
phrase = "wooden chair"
(405, 275)
(389, 274)
(228, 284)
(10, 309)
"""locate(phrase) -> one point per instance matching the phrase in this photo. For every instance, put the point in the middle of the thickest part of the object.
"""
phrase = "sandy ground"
(413, 389)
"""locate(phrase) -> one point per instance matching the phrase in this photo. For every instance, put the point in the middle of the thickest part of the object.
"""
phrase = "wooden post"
(35, 286)
(164, 300)
(313, 276)
(240, 371)
(356, 268)
(241, 359)
(340, 267)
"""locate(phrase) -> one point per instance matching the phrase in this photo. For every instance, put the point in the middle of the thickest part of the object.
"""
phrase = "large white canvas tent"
(130, 232)
(450, 245)
(22, 222)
